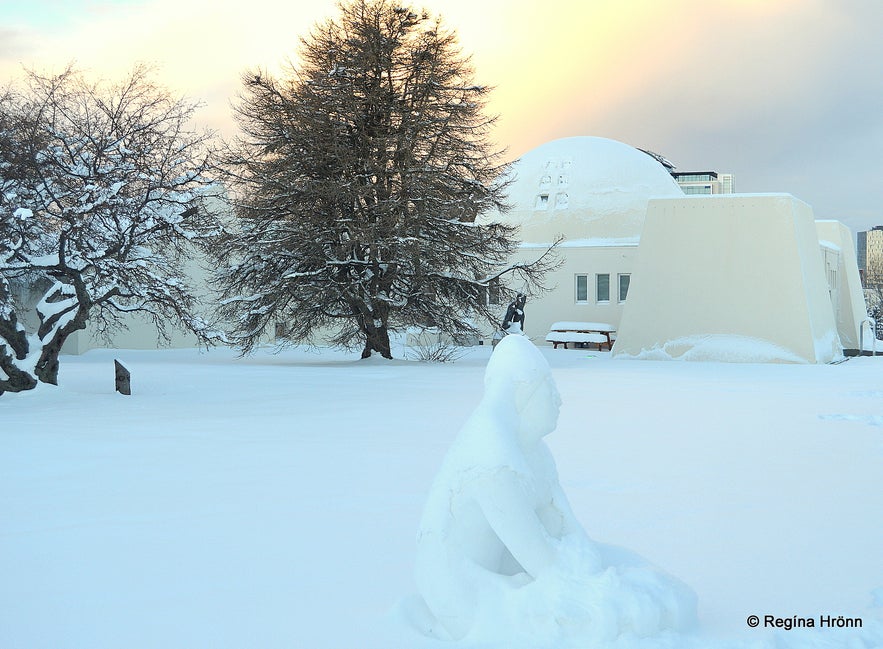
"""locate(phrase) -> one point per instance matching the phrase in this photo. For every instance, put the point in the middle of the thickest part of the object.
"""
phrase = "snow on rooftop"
(585, 188)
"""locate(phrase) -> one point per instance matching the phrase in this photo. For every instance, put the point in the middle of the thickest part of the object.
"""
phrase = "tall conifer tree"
(357, 180)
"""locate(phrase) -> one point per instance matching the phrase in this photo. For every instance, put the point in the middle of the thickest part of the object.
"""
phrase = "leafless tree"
(103, 190)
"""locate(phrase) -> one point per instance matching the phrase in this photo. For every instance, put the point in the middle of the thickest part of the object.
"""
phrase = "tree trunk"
(372, 322)
(47, 366)
(17, 379)
(14, 336)
(14, 346)
(46, 369)
(377, 340)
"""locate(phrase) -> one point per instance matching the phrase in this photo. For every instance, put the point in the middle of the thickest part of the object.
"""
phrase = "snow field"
(273, 501)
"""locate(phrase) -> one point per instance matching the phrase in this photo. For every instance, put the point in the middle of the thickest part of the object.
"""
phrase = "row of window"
(546, 181)
(561, 201)
(693, 178)
(692, 190)
(602, 287)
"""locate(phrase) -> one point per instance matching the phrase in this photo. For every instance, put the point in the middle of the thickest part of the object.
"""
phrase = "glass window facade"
(695, 178)
(692, 190)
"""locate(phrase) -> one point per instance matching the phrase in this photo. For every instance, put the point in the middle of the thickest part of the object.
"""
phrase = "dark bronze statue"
(514, 320)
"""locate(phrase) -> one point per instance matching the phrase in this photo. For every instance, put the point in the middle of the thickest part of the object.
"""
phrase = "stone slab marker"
(123, 378)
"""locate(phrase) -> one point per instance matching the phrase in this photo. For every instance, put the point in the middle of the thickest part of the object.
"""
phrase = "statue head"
(519, 377)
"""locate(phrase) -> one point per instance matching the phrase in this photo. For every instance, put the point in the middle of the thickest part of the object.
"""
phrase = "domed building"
(593, 192)
(587, 189)
(749, 277)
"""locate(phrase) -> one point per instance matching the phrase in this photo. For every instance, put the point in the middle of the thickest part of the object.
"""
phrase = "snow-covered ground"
(273, 501)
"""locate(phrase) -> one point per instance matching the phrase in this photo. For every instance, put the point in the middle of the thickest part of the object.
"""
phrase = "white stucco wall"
(850, 308)
(561, 303)
(136, 331)
(716, 274)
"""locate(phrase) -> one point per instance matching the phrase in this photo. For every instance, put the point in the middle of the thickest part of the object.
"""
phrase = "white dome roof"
(585, 188)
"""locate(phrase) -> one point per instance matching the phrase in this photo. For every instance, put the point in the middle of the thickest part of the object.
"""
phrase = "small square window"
(542, 202)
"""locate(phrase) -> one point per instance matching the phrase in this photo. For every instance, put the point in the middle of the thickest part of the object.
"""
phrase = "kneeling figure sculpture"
(500, 553)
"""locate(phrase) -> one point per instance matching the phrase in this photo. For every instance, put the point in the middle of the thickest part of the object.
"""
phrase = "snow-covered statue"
(513, 321)
(501, 557)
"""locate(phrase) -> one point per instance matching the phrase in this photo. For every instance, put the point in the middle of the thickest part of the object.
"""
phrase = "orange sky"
(761, 88)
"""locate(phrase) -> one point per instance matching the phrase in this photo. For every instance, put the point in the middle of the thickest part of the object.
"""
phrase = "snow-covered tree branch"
(356, 184)
(103, 197)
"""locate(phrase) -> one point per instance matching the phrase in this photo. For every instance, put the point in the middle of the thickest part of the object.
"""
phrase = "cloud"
(14, 44)
(786, 94)
(788, 100)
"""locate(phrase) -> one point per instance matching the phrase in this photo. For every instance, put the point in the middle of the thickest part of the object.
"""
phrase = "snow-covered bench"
(581, 333)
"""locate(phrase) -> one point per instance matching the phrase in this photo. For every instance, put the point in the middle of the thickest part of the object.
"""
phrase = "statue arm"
(507, 507)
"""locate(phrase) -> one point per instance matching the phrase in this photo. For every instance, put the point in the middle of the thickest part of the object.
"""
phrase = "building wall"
(137, 331)
(563, 302)
(705, 182)
(869, 254)
(845, 286)
(743, 269)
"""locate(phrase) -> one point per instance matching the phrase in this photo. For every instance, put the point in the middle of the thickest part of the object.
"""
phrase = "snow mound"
(501, 558)
(717, 347)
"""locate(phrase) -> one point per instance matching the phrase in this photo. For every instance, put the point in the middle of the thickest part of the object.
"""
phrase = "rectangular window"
(602, 287)
(624, 286)
(582, 288)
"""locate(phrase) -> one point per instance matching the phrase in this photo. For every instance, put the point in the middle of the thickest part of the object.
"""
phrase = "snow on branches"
(356, 183)
(103, 198)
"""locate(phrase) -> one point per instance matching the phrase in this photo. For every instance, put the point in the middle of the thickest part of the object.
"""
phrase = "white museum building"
(749, 277)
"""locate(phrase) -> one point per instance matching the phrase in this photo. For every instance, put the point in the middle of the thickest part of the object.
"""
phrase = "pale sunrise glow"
(783, 93)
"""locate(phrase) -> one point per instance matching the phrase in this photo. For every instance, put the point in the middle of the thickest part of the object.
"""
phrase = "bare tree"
(103, 191)
(356, 184)
(873, 292)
